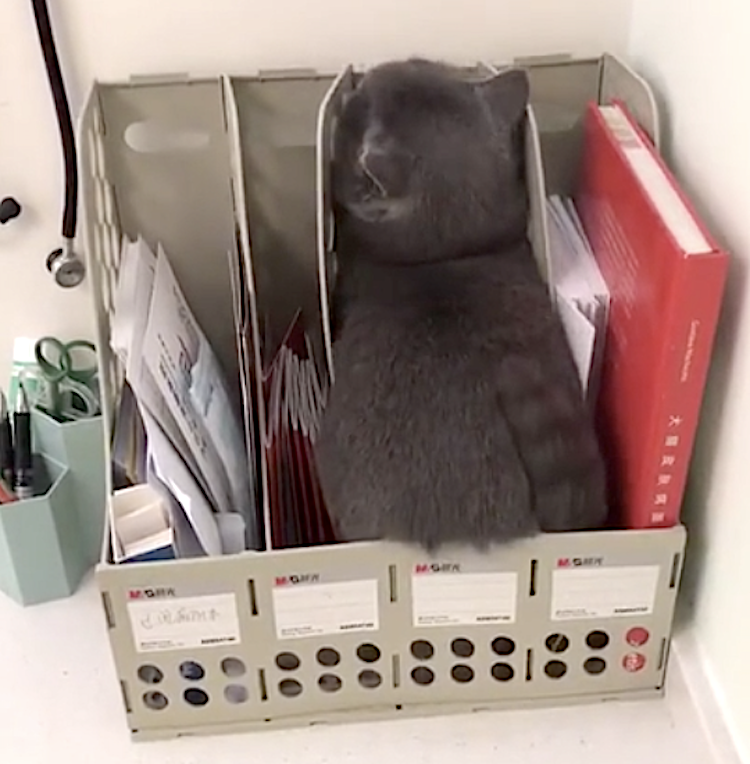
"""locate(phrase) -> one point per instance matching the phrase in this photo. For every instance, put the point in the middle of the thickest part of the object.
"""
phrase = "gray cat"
(457, 413)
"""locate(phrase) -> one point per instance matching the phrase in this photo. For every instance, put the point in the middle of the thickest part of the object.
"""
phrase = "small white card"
(463, 599)
(182, 623)
(315, 610)
(616, 592)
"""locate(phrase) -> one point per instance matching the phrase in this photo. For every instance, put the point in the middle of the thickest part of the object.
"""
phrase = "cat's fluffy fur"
(456, 414)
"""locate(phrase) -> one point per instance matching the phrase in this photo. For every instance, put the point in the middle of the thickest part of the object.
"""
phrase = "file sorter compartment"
(155, 162)
(349, 631)
(276, 120)
(560, 91)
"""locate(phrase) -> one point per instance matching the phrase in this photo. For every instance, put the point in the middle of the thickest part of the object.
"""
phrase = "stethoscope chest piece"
(66, 267)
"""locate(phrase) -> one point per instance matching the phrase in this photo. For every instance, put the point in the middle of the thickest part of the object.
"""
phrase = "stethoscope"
(65, 265)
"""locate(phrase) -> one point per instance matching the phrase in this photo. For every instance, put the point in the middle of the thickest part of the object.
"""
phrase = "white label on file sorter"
(463, 599)
(316, 610)
(184, 623)
(613, 592)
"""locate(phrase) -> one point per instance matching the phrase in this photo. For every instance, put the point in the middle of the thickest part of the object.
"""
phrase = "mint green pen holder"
(48, 543)
(80, 447)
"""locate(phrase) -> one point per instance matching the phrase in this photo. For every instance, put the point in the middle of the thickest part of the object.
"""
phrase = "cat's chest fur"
(493, 304)
(456, 406)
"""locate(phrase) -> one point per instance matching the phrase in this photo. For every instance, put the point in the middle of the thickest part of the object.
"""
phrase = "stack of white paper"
(196, 448)
(580, 293)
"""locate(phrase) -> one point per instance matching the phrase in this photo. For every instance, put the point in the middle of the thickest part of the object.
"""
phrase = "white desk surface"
(59, 704)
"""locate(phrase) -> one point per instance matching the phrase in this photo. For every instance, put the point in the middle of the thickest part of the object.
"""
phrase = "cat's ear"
(507, 94)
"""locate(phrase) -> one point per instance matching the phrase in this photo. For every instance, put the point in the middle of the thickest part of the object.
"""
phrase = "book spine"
(690, 328)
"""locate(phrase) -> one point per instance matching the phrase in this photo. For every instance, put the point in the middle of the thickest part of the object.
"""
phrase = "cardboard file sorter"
(350, 631)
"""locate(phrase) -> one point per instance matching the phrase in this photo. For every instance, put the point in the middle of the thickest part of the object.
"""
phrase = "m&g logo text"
(580, 562)
(437, 567)
(152, 593)
(301, 578)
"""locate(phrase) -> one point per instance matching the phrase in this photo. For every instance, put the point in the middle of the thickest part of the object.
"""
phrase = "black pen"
(6, 443)
(24, 477)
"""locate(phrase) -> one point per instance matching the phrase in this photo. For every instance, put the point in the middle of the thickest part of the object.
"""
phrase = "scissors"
(71, 390)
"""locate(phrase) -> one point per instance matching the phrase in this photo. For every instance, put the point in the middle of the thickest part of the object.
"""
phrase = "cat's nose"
(367, 153)
(373, 148)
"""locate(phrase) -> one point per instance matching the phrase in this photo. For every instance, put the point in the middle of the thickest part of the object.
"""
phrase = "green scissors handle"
(55, 360)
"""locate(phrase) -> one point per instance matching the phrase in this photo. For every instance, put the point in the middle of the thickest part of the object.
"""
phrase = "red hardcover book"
(666, 278)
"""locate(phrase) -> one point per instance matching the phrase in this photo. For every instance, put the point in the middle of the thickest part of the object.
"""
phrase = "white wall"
(697, 55)
(115, 38)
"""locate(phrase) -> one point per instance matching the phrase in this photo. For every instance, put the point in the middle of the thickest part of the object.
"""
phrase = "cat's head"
(428, 164)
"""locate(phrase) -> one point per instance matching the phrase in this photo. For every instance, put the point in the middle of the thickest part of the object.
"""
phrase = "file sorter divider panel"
(101, 233)
(167, 153)
(272, 121)
(560, 90)
(559, 93)
(348, 631)
(277, 126)
(156, 162)
(618, 82)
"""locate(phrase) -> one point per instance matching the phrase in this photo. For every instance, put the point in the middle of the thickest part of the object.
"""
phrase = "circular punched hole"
(329, 683)
(287, 661)
(634, 662)
(368, 653)
(422, 650)
(503, 672)
(594, 666)
(370, 679)
(637, 636)
(195, 696)
(503, 646)
(463, 648)
(233, 667)
(597, 640)
(235, 694)
(555, 669)
(192, 671)
(423, 675)
(156, 701)
(290, 688)
(150, 674)
(462, 674)
(557, 643)
(327, 656)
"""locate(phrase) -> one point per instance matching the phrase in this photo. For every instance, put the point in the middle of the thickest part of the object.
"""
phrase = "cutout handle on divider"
(151, 137)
